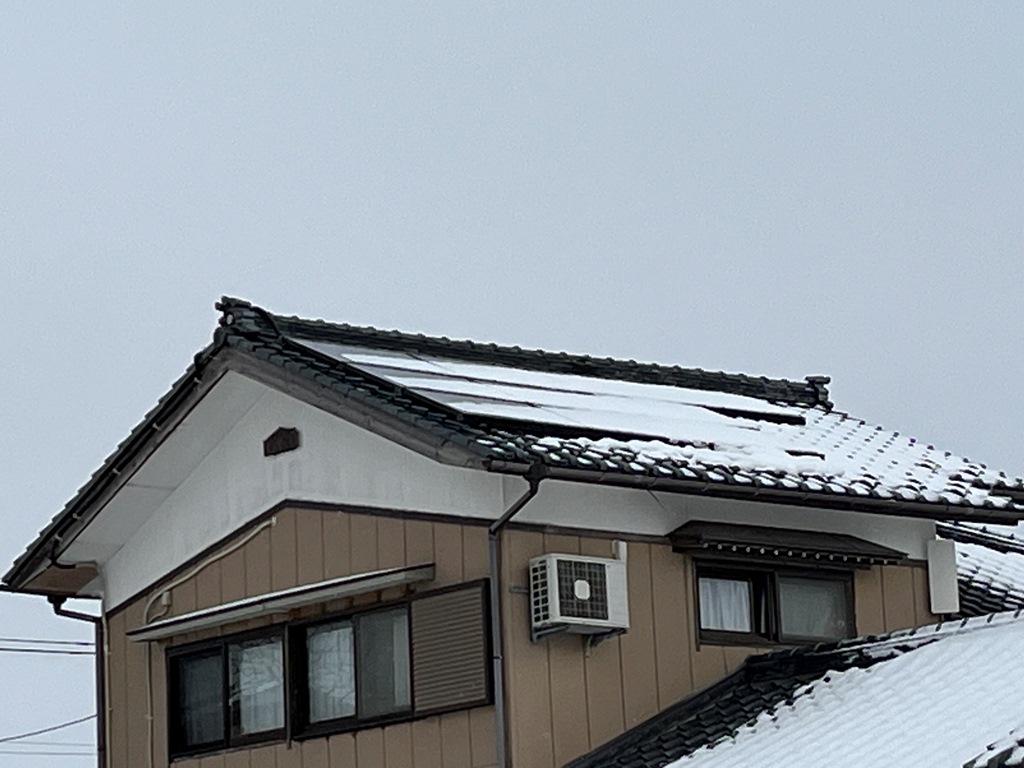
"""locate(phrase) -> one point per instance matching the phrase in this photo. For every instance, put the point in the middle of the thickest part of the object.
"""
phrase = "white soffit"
(284, 600)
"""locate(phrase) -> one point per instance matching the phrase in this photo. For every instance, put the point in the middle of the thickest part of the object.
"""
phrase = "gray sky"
(773, 188)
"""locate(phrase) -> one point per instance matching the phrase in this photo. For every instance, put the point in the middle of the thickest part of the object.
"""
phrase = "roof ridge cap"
(249, 319)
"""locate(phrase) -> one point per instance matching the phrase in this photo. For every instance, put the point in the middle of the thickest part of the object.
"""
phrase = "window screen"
(725, 604)
(331, 672)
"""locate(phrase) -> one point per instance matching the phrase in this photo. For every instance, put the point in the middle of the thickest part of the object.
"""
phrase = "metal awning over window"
(781, 543)
(284, 600)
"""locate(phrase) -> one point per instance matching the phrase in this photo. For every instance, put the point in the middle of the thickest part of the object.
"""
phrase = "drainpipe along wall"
(101, 673)
(533, 477)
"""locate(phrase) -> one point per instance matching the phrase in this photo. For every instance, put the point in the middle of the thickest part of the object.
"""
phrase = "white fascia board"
(283, 601)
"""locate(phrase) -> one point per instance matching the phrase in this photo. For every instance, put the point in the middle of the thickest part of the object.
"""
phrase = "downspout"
(533, 477)
(57, 601)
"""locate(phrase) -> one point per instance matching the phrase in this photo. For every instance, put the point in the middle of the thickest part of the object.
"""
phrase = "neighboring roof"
(707, 432)
(990, 568)
(935, 696)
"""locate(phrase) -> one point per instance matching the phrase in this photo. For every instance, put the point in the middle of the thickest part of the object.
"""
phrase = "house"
(336, 546)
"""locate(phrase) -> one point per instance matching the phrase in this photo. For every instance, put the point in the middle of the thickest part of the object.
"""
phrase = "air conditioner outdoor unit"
(585, 595)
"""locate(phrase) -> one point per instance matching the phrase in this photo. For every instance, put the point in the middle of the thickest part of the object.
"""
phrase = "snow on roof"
(937, 702)
(827, 452)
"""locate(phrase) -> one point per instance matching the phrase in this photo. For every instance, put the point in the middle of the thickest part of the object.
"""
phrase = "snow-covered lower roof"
(947, 695)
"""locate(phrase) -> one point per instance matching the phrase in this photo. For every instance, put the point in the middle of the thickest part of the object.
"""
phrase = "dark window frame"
(765, 591)
(221, 645)
(296, 694)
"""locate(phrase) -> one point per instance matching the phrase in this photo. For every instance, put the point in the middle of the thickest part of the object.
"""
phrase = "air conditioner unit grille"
(539, 589)
(594, 603)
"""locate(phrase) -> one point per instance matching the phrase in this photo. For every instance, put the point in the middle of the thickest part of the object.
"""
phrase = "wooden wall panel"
(481, 737)
(315, 754)
(526, 670)
(568, 686)
(672, 627)
(426, 743)
(239, 759)
(257, 564)
(284, 567)
(369, 748)
(898, 591)
(397, 746)
(448, 552)
(455, 747)
(603, 669)
(475, 552)
(639, 671)
(309, 538)
(869, 601)
(419, 542)
(288, 756)
(232, 576)
(363, 543)
(341, 749)
(117, 704)
(336, 552)
(261, 757)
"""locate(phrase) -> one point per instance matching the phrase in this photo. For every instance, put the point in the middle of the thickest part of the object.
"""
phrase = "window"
(749, 605)
(355, 670)
(339, 673)
(227, 693)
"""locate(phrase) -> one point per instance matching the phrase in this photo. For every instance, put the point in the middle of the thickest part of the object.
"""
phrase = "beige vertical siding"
(564, 700)
(304, 546)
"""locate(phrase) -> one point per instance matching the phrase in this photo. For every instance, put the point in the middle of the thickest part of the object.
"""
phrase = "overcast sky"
(773, 188)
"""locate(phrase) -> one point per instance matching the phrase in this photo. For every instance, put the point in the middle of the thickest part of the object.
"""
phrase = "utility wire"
(36, 641)
(60, 651)
(48, 729)
(42, 753)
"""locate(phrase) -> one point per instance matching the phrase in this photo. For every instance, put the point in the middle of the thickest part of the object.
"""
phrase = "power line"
(59, 651)
(48, 729)
(42, 753)
(36, 641)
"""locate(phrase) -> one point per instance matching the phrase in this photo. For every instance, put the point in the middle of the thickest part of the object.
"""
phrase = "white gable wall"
(340, 463)
(235, 483)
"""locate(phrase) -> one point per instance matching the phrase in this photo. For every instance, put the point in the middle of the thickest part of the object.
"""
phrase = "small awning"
(284, 600)
(781, 543)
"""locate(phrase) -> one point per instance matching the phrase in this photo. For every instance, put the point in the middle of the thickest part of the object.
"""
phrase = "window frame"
(302, 728)
(173, 656)
(295, 670)
(766, 597)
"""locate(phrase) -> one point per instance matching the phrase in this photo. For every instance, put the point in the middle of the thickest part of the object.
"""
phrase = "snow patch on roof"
(930, 705)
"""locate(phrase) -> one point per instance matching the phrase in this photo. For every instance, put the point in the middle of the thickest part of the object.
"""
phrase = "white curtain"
(331, 672)
(725, 604)
(257, 686)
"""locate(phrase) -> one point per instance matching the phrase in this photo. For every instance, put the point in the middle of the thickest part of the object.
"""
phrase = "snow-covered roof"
(576, 417)
(947, 695)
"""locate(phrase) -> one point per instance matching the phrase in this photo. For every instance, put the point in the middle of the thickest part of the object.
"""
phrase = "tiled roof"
(990, 568)
(1007, 751)
(826, 458)
(815, 455)
(932, 696)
